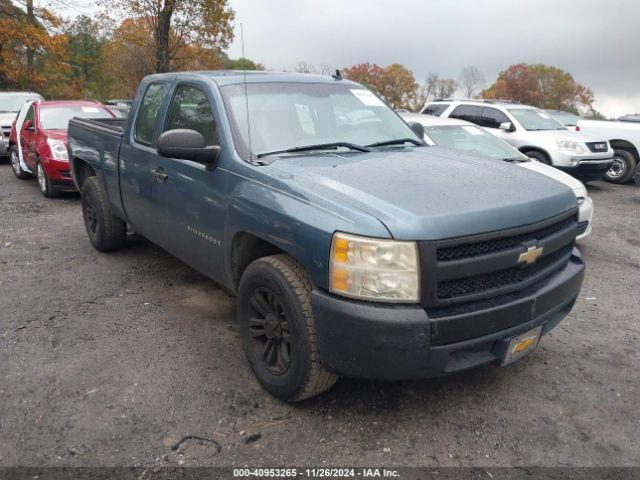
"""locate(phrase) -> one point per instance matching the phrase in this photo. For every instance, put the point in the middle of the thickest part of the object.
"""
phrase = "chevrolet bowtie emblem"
(530, 256)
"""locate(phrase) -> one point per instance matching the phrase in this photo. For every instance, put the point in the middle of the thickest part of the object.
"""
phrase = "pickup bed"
(352, 248)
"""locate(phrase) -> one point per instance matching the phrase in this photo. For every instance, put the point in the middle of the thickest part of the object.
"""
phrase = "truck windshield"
(11, 102)
(57, 118)
(534, 119)
(281, 116)
(472, 139)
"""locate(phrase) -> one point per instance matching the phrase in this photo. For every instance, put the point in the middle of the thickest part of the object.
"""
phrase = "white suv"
(535, 133)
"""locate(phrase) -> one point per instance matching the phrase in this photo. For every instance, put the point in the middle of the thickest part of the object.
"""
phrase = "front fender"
(301, 228)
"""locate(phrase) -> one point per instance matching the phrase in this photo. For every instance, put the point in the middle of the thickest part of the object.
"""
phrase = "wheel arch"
(81, 170)
(619, 144)
(529, 148)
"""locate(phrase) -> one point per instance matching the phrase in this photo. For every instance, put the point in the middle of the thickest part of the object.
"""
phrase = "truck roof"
(228, 77)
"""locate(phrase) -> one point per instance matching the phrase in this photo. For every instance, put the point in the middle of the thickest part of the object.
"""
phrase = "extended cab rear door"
(137, 153)
(189, 202)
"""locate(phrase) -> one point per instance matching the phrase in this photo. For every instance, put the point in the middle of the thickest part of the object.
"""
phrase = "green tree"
(241, 64)
(86, 56)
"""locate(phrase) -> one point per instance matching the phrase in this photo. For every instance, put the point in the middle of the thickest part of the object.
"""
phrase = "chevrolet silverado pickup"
(352, 248)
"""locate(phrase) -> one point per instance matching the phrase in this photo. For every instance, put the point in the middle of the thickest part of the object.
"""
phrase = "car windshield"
(57, 117)
(565, 118)
(535, 119)
(11, 102)
(471, 139)
(280, 116)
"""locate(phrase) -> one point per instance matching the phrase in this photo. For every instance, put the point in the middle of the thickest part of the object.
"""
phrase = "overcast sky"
(598, 41)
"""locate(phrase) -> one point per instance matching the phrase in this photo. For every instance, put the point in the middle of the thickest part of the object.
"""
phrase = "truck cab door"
(137, 154)
(189, 202)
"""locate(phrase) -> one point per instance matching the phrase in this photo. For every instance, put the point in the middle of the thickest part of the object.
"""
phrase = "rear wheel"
(278, 329)
(106, 231)
(14, 158)
(46, 187)
(622, 168)
(536, 155)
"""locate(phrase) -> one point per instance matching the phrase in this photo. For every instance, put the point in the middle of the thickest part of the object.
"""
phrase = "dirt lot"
(110, 359)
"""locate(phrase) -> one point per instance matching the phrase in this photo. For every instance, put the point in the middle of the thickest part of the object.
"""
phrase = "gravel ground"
(109, 359)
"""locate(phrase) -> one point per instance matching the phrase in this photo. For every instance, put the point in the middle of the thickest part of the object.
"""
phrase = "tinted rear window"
(435, 109)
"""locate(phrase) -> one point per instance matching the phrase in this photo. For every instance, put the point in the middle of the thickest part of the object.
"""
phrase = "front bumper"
(585, 217)
(393, 342)
(59, 173)
(4, 144)
(586, 169)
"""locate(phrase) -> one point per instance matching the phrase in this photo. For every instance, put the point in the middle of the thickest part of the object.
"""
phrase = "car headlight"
(374, 269)
(569, 145)
(58, 149)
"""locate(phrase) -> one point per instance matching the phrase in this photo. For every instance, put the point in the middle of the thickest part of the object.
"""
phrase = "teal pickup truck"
(354, 249)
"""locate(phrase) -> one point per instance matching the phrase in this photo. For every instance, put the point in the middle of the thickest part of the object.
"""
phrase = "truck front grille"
(485, 266)
(6, 131)
(598, 147)
(498, 244)
(502, 278)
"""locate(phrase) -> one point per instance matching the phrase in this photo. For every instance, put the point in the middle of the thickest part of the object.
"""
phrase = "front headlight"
(58, 149)
(374, 269)
(569, 145)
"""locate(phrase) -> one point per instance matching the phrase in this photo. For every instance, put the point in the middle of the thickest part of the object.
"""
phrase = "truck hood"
(426, 192)
(573, 183)
(570, 135)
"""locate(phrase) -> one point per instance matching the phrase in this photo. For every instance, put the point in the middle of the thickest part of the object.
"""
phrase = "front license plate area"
(522, 345)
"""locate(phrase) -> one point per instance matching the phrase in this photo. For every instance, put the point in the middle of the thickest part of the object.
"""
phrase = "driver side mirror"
(28, 125)
(186, 144)
(418, 129)
(507, 127)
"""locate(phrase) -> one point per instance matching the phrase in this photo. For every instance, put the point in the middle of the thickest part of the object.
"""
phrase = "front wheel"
(622, 168)
(106, 231)
(278, 329)
(541, 157)
(14, 158)
(46, 187)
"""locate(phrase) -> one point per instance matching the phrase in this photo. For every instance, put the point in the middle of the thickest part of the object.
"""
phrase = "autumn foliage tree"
(178, 24)
(395, 83)
(33, 51)
(540, 85)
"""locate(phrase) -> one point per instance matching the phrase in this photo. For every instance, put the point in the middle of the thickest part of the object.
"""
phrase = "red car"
(43, 138)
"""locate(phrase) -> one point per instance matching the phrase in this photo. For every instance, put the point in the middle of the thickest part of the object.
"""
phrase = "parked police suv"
(351, 247)
(535, 133)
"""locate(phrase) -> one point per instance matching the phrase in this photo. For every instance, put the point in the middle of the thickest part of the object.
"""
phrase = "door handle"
(159, 174)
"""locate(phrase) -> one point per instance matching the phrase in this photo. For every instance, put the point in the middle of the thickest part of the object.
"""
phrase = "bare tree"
(471, 81)
(325, 69)
(304, 67)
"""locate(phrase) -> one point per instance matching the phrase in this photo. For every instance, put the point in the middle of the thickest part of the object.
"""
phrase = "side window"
(191, 109)
(31, 114)
(435, 109)
(470, 113)
(492, 118)
(148, 112)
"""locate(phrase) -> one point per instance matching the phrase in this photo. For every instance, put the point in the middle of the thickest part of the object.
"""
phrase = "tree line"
(101, 57)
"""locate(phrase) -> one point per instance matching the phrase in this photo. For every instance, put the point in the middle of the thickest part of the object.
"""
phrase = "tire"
(536, 155)
(274, 307)
(46, 187)
(622, 168)
(14, 160)
(106, 231)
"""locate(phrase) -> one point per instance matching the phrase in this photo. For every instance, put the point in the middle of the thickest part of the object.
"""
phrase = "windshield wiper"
(320, 146)
(399, 141)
